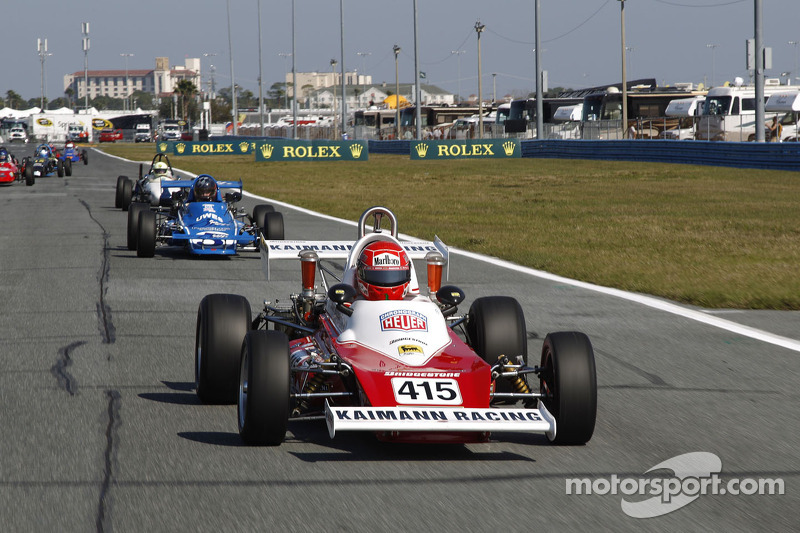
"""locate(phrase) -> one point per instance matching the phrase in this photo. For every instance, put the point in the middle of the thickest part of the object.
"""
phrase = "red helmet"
(384, 271)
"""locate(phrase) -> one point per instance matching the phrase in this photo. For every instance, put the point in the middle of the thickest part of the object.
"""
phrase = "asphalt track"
(101, 429)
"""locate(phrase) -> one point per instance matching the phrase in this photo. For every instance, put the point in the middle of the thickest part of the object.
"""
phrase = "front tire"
(260, 213)
(118, 194)
(495, 327)
(30, 179)
(127, 194)
(60, 168)
(146, 234)
(569, 381)
(222, 322)
(68, 167)
(264, 383)
(273, 226)
(133, 223)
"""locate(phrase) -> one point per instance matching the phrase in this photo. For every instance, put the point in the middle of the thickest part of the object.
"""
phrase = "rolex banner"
(320, 150)
(165, 147)
(214, 147)
(466, 149)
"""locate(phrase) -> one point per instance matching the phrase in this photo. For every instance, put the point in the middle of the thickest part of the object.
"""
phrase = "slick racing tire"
(569, 382)
(127, 194)
(60, 168)
(264, 382)
(30, 179)
(68, 167)
(118, 195)
(260, 213)
(146, 234)
(222, 322)
(495, 327)
(85, 157)
(273, 226)
(133, 223)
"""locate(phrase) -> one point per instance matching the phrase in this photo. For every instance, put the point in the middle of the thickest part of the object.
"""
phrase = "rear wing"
(338, 250)
(221, 184)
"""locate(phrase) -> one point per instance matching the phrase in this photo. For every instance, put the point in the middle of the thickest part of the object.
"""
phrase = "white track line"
(648, 301)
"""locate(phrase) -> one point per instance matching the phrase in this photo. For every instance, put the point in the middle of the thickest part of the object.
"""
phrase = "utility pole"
(260, 74)
(396, 50)
(479, 29)
(624, 72)
(126, 102)
(41, 47)
(234, 111)
(85, 46)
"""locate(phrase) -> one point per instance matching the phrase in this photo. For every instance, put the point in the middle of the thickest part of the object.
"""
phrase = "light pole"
(344, 81)
(260, 74)
(630, 50)
(127, 84)
(713, 66)
(333, 83)
(294, 80)
(285, 56)
(479, 29)
(538, 60)
(85, 46)
(363, 56)
(494, 88)
(210, 73)
(795, 73)
(41, 47)
(396, 50)
(624, 71)
(458, 54)
(234, 111)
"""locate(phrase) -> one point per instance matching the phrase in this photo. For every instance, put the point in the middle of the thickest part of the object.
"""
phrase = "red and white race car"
(10, 170)
(407, 369)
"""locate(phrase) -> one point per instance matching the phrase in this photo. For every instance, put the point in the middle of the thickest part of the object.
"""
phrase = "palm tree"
(186, 89)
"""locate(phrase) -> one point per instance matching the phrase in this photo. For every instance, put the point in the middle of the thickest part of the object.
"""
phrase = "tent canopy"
(392, 101)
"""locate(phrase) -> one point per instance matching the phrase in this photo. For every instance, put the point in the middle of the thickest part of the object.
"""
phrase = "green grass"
(712, 237)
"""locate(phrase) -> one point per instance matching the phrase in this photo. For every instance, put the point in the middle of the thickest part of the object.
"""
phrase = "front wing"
(438, 419)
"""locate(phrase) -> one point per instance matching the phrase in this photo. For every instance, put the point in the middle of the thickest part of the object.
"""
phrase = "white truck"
(729, 113)
(143, 134)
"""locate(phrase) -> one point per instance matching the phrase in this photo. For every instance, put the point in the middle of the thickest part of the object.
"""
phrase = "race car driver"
(160, 169)
(383, 272)
(205, 189)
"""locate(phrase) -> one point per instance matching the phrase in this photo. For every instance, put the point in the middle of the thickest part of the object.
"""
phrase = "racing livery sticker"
(403, 320)
(405, 349)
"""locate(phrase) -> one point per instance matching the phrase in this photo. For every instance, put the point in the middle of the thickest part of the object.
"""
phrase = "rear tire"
(222, 322)
(68, 167)
(569, 379)
(259, 214)
(264, 383)
(85, 157)
(495, 327)
(60, 168)
(146, 234)
(30, 179)
(273, 226)
(133, 223)
(127, 194)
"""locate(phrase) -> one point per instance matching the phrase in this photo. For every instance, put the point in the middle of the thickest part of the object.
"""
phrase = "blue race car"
(201, 220)
(73, 154)
(45, 162)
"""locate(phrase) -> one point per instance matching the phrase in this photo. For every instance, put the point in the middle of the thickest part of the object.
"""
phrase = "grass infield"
(706, 236)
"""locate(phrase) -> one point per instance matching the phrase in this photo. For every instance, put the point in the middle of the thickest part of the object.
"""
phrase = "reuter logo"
(693, 474)
(404, 320)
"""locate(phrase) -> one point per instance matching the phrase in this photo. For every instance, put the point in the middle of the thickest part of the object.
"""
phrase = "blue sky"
(580, 39)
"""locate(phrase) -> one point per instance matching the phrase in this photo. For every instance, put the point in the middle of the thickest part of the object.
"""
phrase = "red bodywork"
(8, 172)
(110, 136)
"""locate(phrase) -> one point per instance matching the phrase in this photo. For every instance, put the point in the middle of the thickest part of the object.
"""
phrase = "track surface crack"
(103, 520)
(66, 380)
(105, 321)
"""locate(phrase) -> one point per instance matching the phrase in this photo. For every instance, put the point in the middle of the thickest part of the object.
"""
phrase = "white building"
(121, 83)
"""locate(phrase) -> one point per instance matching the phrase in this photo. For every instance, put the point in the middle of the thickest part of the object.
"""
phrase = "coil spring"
(312, 385)
(518, 382)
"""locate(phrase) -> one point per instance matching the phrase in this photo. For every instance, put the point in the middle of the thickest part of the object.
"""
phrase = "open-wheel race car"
(149, 187)
(373, 353)
(72, 153)
(45, 162)
(10, 170)
(202, 220)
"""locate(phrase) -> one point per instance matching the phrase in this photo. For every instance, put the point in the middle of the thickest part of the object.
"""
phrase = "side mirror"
(450, 295)
(342, 294)
(232, 197)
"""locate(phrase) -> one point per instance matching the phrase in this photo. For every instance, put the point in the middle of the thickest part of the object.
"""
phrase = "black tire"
(127, 194)
(495, 327)
(85, 157)
(222, 322)
(60, 168)
(264, 388)
(30, 179)
(146, 234)
(118, 195)
(68, 167)
(273, 226)
(260, 213)
(133, 223)
(569, 380)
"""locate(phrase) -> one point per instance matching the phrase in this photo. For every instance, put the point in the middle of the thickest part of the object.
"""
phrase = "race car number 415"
(421, 391)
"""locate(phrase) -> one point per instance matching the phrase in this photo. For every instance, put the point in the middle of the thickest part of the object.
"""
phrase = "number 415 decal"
(421, 391)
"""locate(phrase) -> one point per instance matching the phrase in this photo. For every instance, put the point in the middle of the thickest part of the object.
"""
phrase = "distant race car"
(374, 353)
(149, 187)
(73, 154)
(201, 220)
(45, 163)
(10, 171)
(109, 136)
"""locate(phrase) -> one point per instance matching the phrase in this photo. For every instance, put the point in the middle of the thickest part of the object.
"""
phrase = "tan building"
(159, 81)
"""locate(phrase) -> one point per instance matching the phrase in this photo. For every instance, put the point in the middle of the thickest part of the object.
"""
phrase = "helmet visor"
(385, 278)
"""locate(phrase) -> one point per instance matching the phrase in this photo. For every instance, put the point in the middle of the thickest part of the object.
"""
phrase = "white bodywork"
(154, 187)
